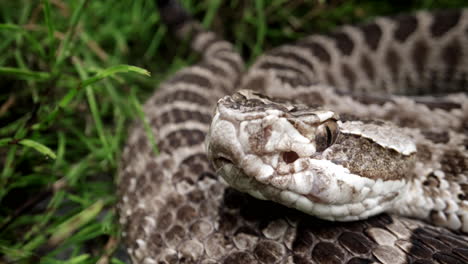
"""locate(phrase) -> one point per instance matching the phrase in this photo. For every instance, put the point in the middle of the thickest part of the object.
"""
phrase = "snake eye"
(221, 161)
(326, 135)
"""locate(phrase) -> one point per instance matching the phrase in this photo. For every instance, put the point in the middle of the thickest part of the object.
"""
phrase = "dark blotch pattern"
(343, 42)
(312, 99)
(330, 79)
(209, 43)
(240, 258)
(393, 61)
(269, 251)
(301, 244)
(372, 34)
(325, 252)
(179, 116)
(181, 138)
(367, 66)
(193, 168)
(360, 261)
(238, 68)
(440, 104)
(405, 26)
(447, 259)
(213, 68)
(355, 243)
(298, 59)
(186, 213)
(298, 80)
(437, 137)
(349, 74)
(454, 163)
(184, 96)
(256, 83)
(317, 50)
(192, 78)
(278, 67)
(419, 54)
(444, 21)
(452, 55)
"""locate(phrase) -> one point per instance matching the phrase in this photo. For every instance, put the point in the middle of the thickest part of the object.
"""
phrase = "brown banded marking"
(444, 21)
(399, 72)
(372, 34)
(368, 68)
(233, 60)
(393, 62)
(420, 51)
(192, 78)
(316, 49)
(203, 41)
(343, 42)
(405, 26)
(295, 54)
(193, 168)
(281, 68)
(178, 116)
(350, 76)
(186, 93)
(286, 64)
(437, 137)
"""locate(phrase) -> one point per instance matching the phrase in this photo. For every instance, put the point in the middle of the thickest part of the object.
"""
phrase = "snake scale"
(410, 70)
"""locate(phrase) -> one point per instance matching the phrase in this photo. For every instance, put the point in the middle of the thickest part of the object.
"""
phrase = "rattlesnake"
(174, 209)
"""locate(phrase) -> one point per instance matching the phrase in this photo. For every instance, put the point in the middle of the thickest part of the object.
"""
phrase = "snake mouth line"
(331, 212)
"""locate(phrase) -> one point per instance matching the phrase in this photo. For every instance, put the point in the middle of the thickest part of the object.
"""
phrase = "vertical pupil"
(329, 136)
(290, 156)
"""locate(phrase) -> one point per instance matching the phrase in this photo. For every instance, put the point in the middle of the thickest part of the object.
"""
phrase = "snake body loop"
(344, 126)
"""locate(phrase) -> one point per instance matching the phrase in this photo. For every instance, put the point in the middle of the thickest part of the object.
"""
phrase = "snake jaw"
(325, 190)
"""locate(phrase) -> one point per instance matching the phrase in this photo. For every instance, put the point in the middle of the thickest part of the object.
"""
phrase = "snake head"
(307, 158)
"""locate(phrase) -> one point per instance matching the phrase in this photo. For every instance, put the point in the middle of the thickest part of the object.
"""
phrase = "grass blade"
(146, 125)
(71, 225)
(34, 43)
(50, 27)
(5, 141)
(38, 146)
(24, 74)
(211, 12)
(98, 121)
(112, 71)
(63, 51)
(262, 27)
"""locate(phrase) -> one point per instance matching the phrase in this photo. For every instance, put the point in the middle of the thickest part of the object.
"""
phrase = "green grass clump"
(72, 76)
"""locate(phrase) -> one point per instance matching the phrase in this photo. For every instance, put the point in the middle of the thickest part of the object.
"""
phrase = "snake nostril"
(290, 156)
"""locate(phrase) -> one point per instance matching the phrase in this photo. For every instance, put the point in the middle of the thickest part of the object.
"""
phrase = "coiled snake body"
(174, 209)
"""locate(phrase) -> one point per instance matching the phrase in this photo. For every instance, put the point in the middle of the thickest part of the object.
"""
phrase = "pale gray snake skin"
(174, 209)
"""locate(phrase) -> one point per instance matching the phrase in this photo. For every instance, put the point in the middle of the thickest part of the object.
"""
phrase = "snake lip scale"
(363, 131)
